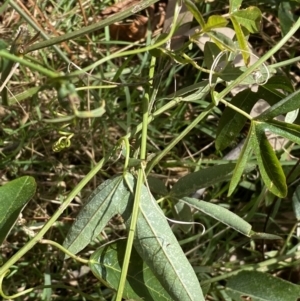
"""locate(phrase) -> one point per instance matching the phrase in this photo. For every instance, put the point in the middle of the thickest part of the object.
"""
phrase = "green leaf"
(242, 161)
(269, 165)
(271, 91)
(215, 21)
(182, 212)
(243, 44)
(262, 235)
(100, 207)
(211, 51)
(286, 130)
(221, 214)
(258, 286)
(154, 239)
(159, 248)
(277, 83)
(157, 186)
(258, 77)
(24, 95)
(289, 103)
(191, 6)
(234, 5)
(296, 203)
(250, 18)
(222, 41)
(201, 179)
(3, 62)
(3, 44)
(106, 264)
(232, 122)
(13, 198)
(286, 17)
(230, 72)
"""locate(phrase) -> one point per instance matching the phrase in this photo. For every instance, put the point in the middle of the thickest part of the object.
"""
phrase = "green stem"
(285, 63)
(228, 104)
(262, 60)
(60, 247)
(87, 178)
(127, 156)
(34, 66)
(138, 189)
(3, 7)
(135, 51)
(4, 76)
(176, 97)
(56, 215)
(157, 158)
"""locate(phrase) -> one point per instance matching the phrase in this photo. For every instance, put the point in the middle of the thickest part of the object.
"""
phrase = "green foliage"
(296, 203)
(154, 240)
(13, 198)
(286, 17)
(152, 124)
(221, 214)
(249, 18)
(141, 284)
(288, 104)
(269, 165)
(260, 286)
(231, 122)
(201, 179)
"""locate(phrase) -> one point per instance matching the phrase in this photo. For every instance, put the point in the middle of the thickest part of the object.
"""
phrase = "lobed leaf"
(270, 96)
(230, 72)
(234, 5)
(157, 186)
(215, 21)
(250, 18)
(277, 83)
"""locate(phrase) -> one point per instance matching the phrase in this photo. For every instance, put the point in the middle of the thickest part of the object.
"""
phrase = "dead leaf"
(113, 9)
(136, 28)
